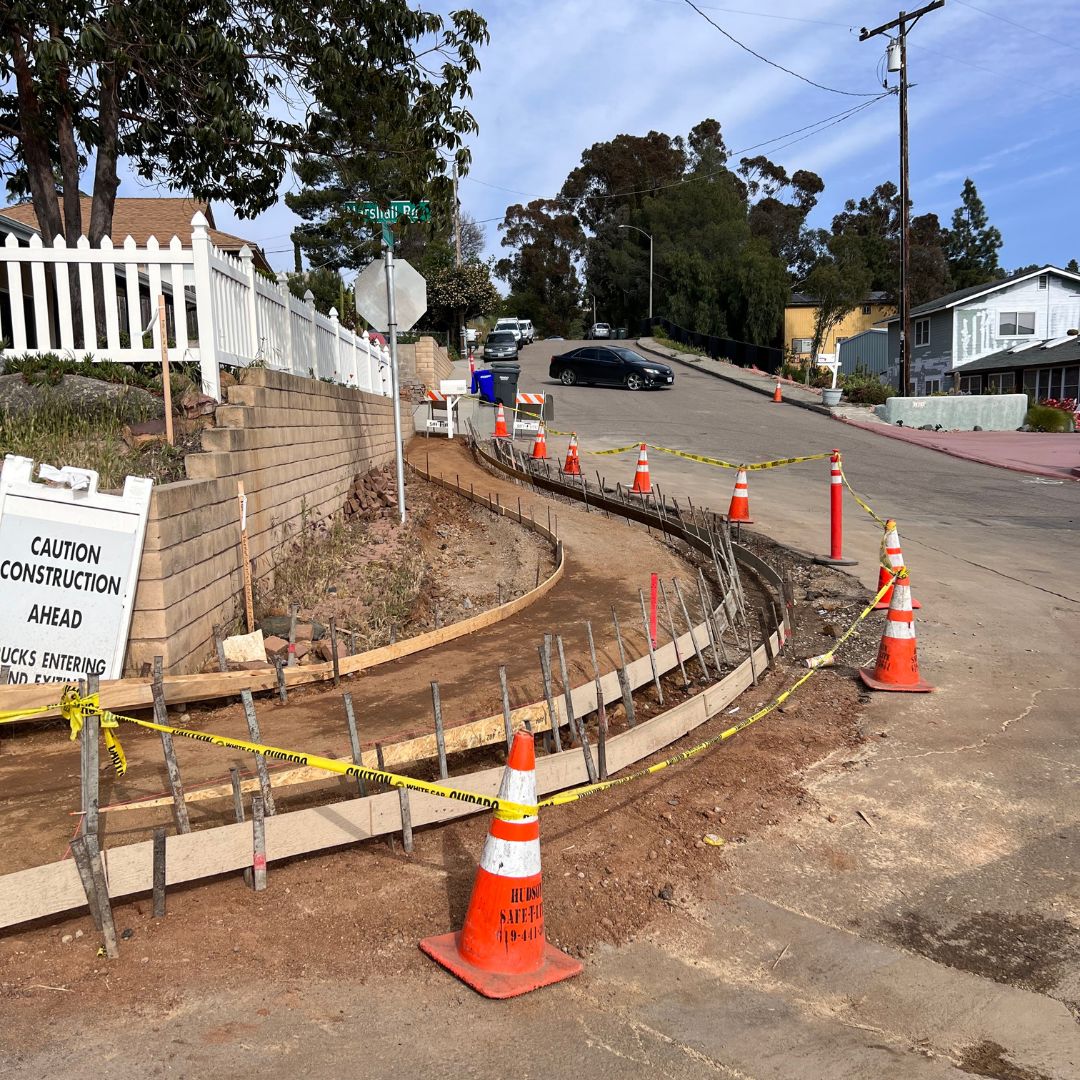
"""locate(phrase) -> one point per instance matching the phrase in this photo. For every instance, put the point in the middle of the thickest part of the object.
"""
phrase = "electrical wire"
(764, 15)
(772, 63)
(1019, 26)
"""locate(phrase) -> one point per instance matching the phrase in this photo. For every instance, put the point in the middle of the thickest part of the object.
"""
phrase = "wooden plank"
(54, 888)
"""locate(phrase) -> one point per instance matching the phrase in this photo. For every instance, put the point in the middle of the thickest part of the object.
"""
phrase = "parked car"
(527, 332)
(600, 330)
(501, 345)
(513, 326)
(609, 365)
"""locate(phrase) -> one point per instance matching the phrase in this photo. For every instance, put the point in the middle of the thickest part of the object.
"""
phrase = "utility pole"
(457, 259)
(903, 23)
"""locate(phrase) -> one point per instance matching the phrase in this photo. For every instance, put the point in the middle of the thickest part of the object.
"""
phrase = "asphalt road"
(919, 920)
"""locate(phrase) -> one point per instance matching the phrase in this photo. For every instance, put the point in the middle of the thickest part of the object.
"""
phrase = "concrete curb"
(767, 391)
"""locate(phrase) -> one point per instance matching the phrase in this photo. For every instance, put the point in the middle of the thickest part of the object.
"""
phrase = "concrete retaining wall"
(296, 444)
(991, 412)
(432, 363)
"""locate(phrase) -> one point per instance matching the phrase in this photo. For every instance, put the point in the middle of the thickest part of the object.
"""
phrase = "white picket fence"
(219, 311)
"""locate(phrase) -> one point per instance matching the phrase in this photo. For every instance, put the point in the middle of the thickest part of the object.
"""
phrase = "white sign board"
(452, 386)
(410, 295)
(69, 565)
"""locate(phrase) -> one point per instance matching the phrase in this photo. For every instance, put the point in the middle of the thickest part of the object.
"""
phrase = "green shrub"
(1047, 418)
(863, 388)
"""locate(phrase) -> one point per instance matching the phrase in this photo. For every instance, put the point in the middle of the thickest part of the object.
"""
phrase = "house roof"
(798, 299)
(952, 299)
(140, 218)
(1043, 355)
(863, 333)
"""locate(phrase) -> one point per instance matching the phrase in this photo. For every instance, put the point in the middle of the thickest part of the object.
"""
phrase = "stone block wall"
(432, 363)
(296, 445)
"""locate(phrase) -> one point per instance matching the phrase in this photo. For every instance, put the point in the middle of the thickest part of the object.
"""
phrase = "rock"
(275, 646)
(127, 934)
(324, 652)
(20, 398)
(666, 893)
(311, 631)
(301, 648)
(78, 934)
(831, 817)
(831, 630)
(278, 626)
(976, 428)
(245, 647)
(195, 403)
(789, 706)
(250, 665)
(67, 939)
(713, 840)
(926, 427)
(467, 604)
(144, 433)
(226, 378)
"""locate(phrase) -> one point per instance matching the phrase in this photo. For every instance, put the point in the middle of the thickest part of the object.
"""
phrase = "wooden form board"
(117, 694)
(55, 888)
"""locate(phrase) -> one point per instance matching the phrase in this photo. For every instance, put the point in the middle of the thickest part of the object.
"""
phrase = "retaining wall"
(296, 445)
(991, 412)
(431, 363)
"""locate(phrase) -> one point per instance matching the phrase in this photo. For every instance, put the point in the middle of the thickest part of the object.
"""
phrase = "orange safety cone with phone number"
(642, 484)
(501, 950)
(892, 558)
(500, 424)
(539, 450)
(573, 462)
(739, 510)
(897, 666)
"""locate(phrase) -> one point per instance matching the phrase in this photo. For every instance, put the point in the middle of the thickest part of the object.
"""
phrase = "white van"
(527, 331)
(514, 326)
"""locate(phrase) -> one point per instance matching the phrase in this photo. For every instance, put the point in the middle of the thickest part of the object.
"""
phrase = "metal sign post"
(391, 311)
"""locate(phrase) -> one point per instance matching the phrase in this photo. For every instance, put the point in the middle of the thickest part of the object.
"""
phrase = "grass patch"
(1047, 418)
(90, 437)
(661, 335)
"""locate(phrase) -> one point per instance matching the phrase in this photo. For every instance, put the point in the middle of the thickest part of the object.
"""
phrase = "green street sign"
(399, 208)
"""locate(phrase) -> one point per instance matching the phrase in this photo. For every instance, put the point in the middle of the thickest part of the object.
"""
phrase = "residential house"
(868, 351)
(799, 314)
(139, 218)
(1019, 334)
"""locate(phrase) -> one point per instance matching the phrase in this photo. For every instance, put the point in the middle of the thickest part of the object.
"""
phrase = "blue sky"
(993, 100)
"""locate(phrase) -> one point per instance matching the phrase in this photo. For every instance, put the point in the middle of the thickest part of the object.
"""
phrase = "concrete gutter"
(747, 380)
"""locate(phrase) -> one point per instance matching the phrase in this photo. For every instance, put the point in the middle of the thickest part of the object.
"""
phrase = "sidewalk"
(1054, 456)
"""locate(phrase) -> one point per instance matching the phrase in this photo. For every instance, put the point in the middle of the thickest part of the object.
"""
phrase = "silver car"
(501, 345)
(600, 330)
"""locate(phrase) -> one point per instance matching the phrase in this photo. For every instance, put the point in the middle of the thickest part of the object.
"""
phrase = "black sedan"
(609, 365)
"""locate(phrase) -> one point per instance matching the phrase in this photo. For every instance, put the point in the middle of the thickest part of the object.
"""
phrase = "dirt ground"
(617, 865)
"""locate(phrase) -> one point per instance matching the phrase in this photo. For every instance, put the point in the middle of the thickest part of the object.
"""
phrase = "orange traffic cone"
(539, 451)
(642, 484)
(739, 510)
(501, 950)
(897, 666)
(777, 396)
(573, 462)
(500, 424)
(892, 558)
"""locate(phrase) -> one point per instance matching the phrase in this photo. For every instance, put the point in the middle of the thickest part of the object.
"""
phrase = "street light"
(644, 233)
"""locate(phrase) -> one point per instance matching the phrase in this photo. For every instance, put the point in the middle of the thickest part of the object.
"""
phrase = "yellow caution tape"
(9, 716)
(732, 465)
(575, 794)
(503, 808)
(617, 450)
(855, 495)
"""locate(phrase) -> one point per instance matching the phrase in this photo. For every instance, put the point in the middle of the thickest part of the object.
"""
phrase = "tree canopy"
(972, 244)
(218, 97)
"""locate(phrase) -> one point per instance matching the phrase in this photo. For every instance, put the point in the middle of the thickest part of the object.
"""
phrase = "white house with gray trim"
(1003, 319)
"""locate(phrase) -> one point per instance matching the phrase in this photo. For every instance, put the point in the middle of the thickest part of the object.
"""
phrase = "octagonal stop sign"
(410, 295)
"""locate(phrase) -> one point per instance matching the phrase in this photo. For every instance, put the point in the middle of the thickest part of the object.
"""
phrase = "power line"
(1019, 26)
(763, 15)
(773, 63)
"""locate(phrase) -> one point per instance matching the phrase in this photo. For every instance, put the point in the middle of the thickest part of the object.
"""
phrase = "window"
(801, 345)
(1071, 379)
(1044, 282)
(866, 309)
(932, 384)
(1002, 382)
(1016, 323)
(922, 332)
(970, 384)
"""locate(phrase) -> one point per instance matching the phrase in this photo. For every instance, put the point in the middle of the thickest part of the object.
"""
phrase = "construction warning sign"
(69, 564)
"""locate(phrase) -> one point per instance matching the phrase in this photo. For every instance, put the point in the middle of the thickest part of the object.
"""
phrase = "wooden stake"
(5, 671)
(238, 811)
(652, 652)
(293, 611)
(260, 761)
(172, 767)
(440, 738)
(166, 382)
(159, 872)
(545, 669)
(283, 693)
(763, 626)
(406, 821)
(624, 679)
(690, 630)
(579, 725)
(507, 723)
(354, 742)
(245, 558)
(91, 767)
(219, 646)
(789, 603)
(333, 650)
(674, 636)
(81, 858)
(258, 843)
(601, 709)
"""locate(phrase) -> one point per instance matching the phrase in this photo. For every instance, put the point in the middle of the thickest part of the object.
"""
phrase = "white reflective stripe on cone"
(511, 858)
(519, 786)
